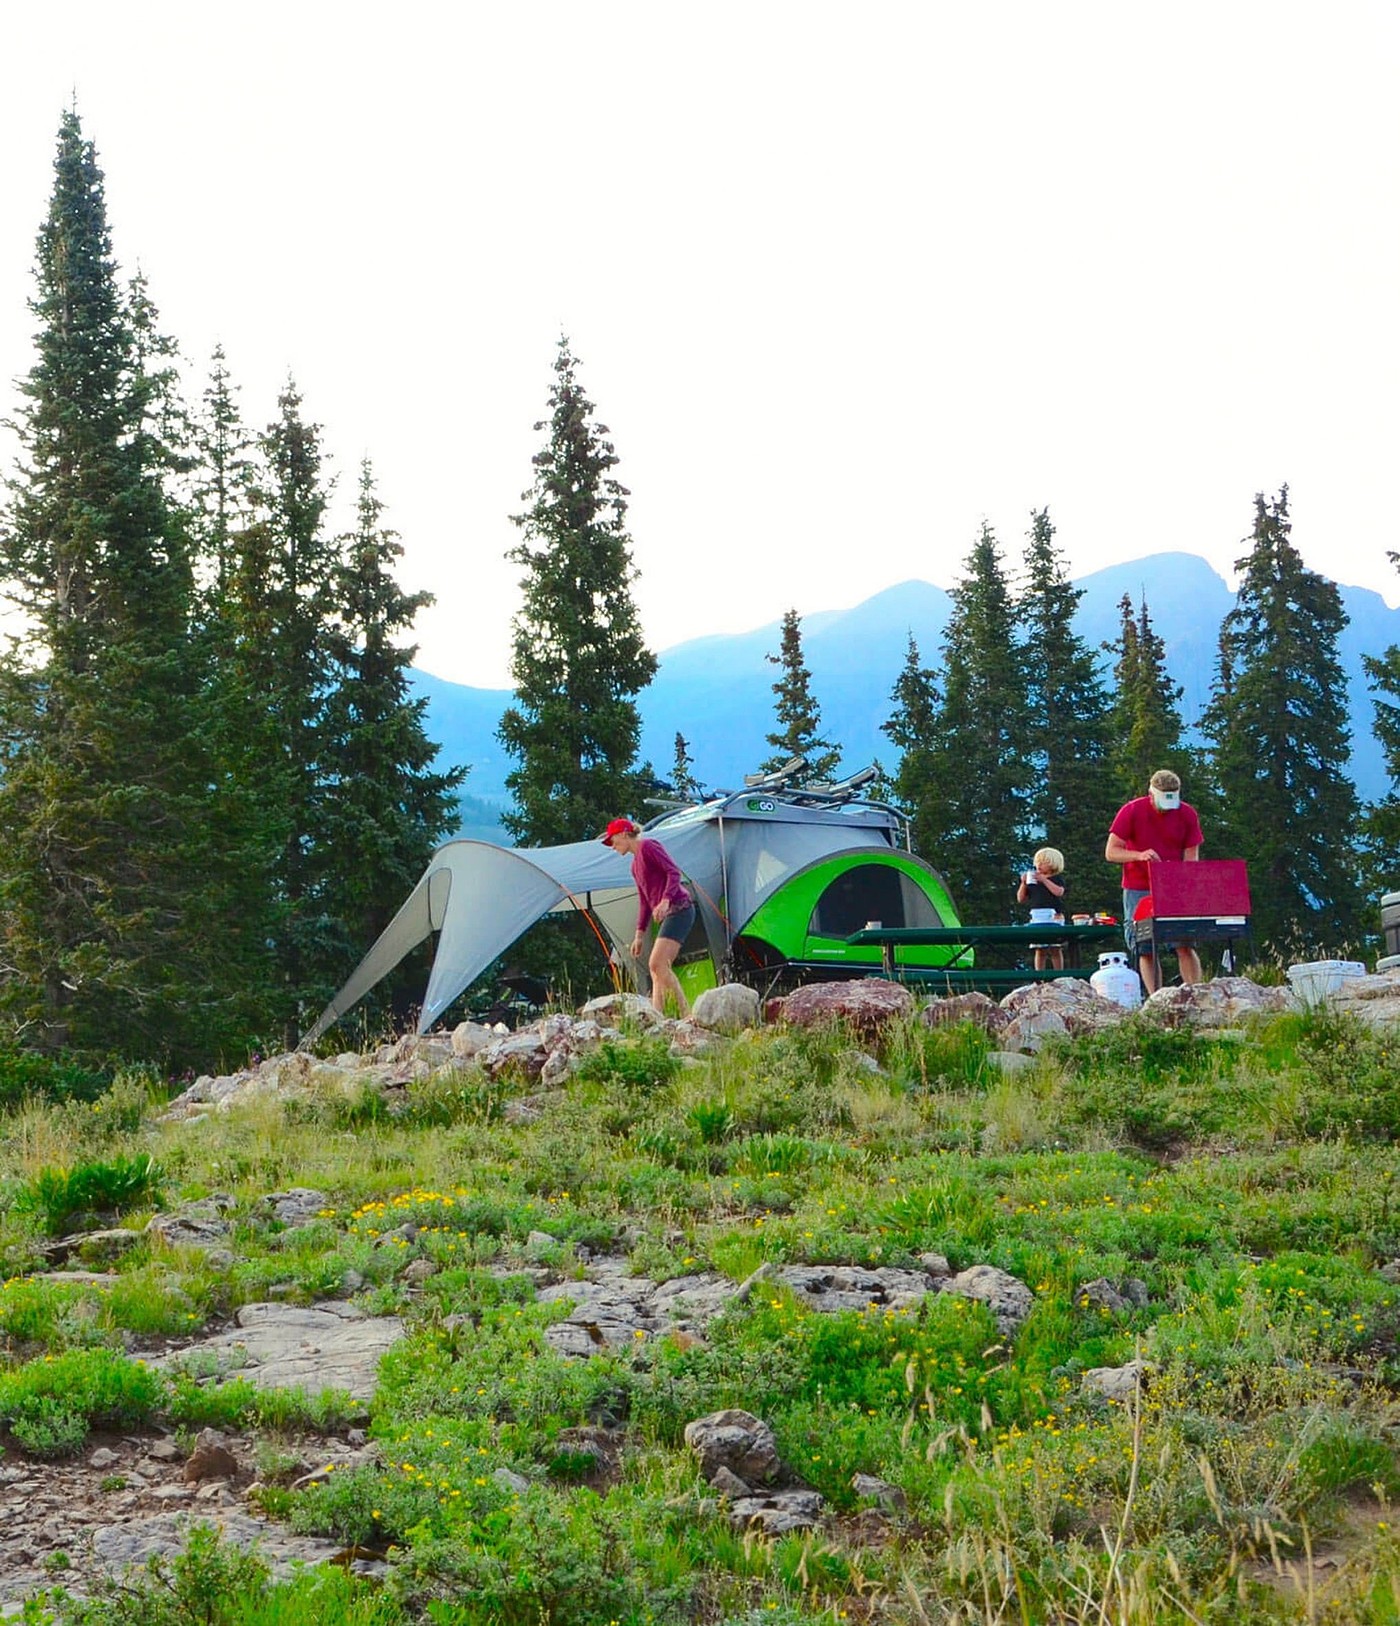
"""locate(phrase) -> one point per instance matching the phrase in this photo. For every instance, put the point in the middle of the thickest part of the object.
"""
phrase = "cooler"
(1390, 922)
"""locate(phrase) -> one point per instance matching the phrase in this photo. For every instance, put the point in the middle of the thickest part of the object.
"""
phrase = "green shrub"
(634, 1064)
(60, 1196)
(24, 1075)
(56, 1400)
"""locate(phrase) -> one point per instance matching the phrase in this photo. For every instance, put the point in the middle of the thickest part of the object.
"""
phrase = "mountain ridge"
(716, 689)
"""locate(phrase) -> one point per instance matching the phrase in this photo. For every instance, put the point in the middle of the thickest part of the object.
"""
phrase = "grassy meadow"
(1248, 1181)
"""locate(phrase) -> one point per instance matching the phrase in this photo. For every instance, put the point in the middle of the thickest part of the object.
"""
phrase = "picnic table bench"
(956, 976)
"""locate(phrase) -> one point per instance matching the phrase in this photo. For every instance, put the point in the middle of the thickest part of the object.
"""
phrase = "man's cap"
(617, 827)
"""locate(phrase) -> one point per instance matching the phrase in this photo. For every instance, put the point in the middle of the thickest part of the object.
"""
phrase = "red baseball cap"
(617, 827)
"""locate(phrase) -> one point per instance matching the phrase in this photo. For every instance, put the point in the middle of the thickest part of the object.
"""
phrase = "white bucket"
(1314, 980)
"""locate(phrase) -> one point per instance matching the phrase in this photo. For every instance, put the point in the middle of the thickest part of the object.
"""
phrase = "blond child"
(1044, 887)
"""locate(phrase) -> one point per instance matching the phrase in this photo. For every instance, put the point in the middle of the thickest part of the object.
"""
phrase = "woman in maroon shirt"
(661, 897)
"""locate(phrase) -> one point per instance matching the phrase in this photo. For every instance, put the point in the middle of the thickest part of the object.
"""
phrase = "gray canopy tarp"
(479, 898)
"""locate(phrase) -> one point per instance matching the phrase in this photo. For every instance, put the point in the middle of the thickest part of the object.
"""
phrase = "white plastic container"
(1116, 980)
(1044, 917)
(1314, 980)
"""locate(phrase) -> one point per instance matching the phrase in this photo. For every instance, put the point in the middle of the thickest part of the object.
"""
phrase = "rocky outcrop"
(1223, 1002)
(284, 1346)
(1009, 1300)
(867, 1006)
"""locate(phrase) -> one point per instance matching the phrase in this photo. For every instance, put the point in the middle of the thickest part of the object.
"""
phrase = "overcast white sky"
(843, 280)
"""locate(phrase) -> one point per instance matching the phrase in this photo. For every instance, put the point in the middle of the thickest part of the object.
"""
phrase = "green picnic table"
(890, 939)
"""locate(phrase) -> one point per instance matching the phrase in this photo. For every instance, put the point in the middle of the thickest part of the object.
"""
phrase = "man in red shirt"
(1144, 831)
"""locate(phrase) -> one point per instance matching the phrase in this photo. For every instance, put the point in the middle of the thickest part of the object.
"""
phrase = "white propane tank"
(1116, 980)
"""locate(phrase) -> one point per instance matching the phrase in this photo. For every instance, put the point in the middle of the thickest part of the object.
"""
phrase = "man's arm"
(1191, 855)
(1119, 852)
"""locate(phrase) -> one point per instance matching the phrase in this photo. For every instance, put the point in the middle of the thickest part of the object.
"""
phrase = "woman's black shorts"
(677, 926)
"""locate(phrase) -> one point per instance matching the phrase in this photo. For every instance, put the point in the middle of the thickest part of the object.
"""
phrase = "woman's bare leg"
(663, 979)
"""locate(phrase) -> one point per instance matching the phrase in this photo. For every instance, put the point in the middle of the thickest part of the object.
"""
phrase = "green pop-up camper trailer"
(782, 874)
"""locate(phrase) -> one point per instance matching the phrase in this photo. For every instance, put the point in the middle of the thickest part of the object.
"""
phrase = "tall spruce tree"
(112, 879)
(1145, 719)
(1276, 721)
(578, 656)
(1070, 740)
(1381, 821)
(912, 726)
(383, 809)
(285, 607)
(799, 718)
(225, 471)
(981, 776)
(683, 780)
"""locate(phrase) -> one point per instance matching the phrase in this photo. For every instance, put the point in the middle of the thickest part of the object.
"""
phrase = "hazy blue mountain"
(717, 690)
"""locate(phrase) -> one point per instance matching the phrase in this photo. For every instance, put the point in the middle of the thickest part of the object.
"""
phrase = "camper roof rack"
(833, 794)
(776, 778)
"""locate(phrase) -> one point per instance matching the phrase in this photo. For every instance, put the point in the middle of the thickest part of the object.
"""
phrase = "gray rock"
(736, 1440)
(1101, 1294)
(779, 1513)
(850, 1287)
(117, 1547)
(1009, 1301)
(103, 1458)
(507, 1479)
(973, 1007)
(470, 1037)
(619, 1010)
(1028, 1032)
(296, 1206)
(200, 1225)
(730, 1008)
(880, 1491)
(1223, 1002)
(936, 1265)
(417, 1271)
(728, 1483)
(331, 1345)
(1115, 1383)
(1011, 1061)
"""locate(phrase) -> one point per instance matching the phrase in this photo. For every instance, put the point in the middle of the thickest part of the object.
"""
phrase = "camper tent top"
(781, 875)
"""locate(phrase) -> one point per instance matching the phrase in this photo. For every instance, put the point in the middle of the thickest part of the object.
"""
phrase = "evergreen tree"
(382, 808)
(225, 471)
(1075, 796)
(285, 616)
(578, 656)
(981, 775)
(1145, 720)
(912, 726)
(113, 880)
(1281, 745)
(1381, 823)
(799, 717)
(683, 780)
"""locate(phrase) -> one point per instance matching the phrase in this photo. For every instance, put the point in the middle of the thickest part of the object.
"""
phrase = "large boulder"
(978, 1008)
(623, 1010)
(867, 1005)
(730, 1008)
(1071, 999)
(1223, 1002)
(736, 1440)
